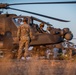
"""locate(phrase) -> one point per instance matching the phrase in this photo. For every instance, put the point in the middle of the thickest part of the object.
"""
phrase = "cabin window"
(18, 21)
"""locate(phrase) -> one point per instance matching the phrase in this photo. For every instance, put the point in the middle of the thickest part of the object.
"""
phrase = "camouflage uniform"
(24, 33)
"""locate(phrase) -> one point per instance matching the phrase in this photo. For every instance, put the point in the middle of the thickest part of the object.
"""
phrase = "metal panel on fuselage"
(2, 25)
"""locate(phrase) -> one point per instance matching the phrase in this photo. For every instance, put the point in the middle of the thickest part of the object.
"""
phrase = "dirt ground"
(37, 67)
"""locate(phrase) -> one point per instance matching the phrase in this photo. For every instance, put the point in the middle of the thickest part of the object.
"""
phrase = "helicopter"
(9, 26)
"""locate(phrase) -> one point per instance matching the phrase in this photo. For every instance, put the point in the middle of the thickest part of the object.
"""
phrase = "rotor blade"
(39, 14)
(65, 2)
(34, 18)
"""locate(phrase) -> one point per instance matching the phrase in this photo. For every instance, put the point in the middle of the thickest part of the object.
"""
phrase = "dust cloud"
(37, 67)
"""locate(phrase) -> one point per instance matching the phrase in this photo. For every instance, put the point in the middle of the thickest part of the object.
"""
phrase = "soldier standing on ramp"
(24, 33)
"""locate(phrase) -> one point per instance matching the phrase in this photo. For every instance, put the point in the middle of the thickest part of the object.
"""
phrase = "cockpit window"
(18, 21)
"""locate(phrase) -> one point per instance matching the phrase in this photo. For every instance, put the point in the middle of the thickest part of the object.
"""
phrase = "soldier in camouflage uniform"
(23, 34)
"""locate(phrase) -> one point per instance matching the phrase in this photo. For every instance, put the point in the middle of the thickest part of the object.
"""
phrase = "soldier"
(19, 21)
(41, 28)
(24, 33)
(48, 53)
(48, 29)
(51, 30)
(64, 51)
(55, 51)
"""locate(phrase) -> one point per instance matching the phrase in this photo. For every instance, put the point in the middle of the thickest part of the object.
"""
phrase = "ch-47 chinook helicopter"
(9, 24)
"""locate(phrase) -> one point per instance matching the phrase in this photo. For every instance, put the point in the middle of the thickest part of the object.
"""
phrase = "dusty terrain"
(37, 67)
